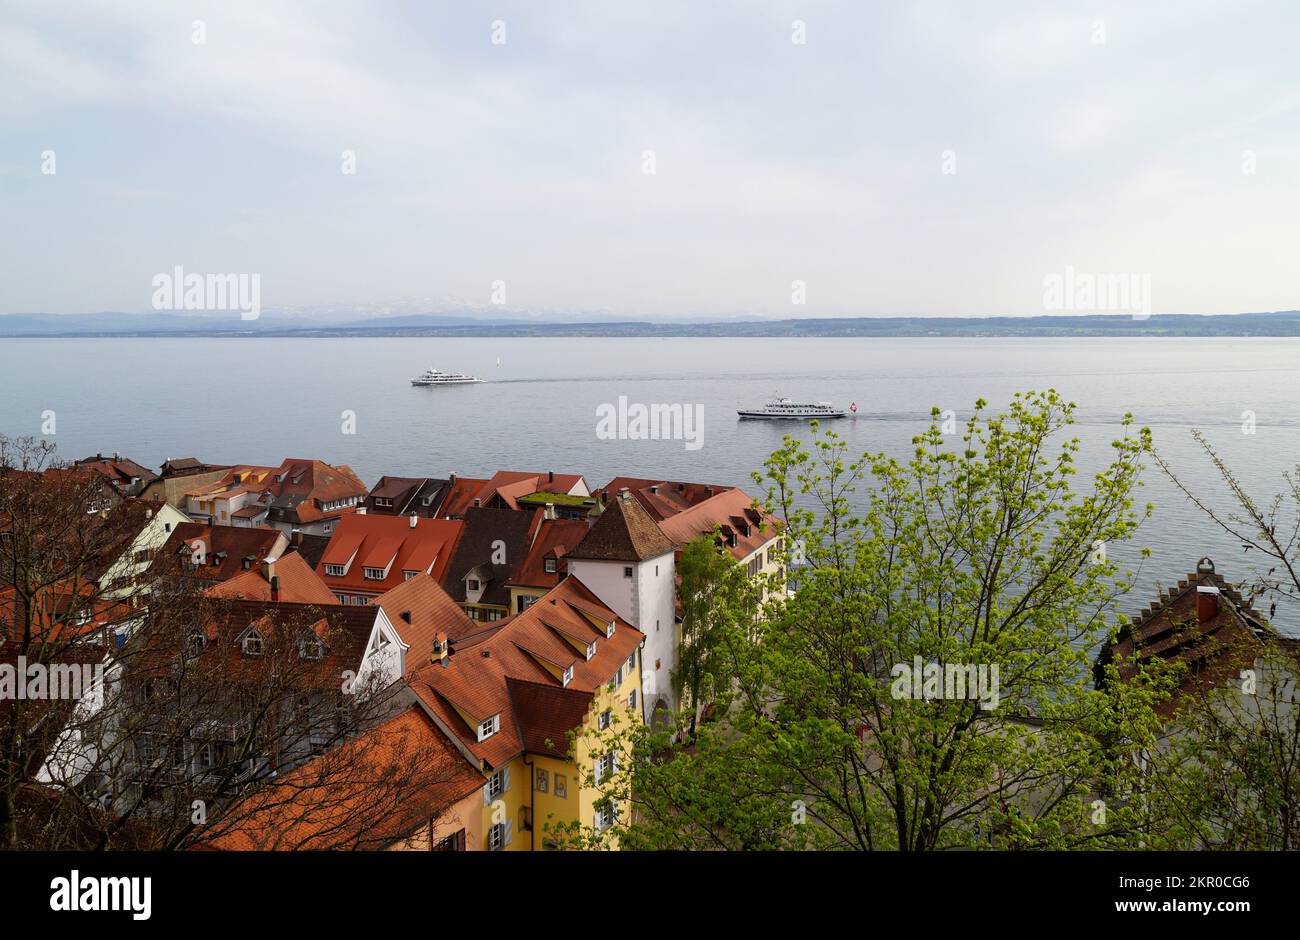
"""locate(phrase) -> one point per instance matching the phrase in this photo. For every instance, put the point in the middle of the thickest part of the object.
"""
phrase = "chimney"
(654, 488)
(361, 510)
(550, 476)
(477, 502)
(275, 588)
(549, 511)
(440, 649)
(1207, 602)
(406, 616)
(414, 519)
(624, 493)
(708, 491)
(269, 569)
(451, 479)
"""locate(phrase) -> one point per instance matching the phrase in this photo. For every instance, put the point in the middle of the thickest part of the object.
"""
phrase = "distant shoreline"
(1280, 324)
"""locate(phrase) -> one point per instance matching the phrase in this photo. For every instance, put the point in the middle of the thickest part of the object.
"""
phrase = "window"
(499, 836)
(609, 629)
(631, 663)
(195, 643)
(606, 816)
(606, 765)
(525, 819)
(311, 647)
(603, 721)
(562, 786)
(631, 699)
(549, 565)
(252, 643)
(383, 501)
(568, 675)
(472, 584)
(336, 571)
(374, 574)
(496, 785)
(489, 727)
(591, 650)
(627, 572)
(408, 575)
(543, 779)
(205, 757)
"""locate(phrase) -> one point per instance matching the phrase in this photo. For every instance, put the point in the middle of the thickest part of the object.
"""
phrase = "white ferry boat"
(785, 408)
(438, 377)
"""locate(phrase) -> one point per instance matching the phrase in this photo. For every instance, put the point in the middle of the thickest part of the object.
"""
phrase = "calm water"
(260, 400)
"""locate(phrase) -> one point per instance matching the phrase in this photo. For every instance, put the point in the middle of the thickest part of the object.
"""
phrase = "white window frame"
(488, 727)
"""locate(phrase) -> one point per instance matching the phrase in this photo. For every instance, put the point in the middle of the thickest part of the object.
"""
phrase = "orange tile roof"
(733, 512)
(663, 498)
(299, 583)
(460, 496)
(477, 674)
(369, 793)
(419, 610)
(387, 541)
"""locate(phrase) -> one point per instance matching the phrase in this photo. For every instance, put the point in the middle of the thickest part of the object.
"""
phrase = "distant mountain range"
(352, 322)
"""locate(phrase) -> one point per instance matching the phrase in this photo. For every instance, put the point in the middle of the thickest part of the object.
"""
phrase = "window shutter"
(505, 780)
(613, 762)
(487, 793)
(510, 832)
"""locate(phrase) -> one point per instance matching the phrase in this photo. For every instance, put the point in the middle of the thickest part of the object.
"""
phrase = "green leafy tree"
(976, 560)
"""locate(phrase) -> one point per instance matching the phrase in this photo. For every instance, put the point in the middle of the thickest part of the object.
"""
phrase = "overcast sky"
(1108, 137)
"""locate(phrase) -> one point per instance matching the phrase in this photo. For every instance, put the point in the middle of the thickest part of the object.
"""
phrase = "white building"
(628, 562)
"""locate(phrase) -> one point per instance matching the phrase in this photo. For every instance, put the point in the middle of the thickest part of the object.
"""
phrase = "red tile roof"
(663, 498)
(419, 610)
(369, 793)
(1170, 630)
(390, 542)
(731, 510)
(299, 583)
(477, 674)
(236, 542)
(555, 539)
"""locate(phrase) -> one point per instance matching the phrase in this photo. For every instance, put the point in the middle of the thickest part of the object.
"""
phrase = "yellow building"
(535, 704)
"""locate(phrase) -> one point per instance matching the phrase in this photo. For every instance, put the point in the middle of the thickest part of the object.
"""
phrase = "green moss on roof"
(560, 499)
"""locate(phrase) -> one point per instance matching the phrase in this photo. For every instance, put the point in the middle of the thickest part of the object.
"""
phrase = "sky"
(675, 158)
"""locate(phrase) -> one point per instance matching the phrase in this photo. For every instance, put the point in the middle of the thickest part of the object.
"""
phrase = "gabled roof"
(299, 583)
(546, 714)
(476, 678)
(387, 541)
(1215, 644)
(232, 543)
(732, 511)
(663, 498)
(331, 802)
(419, 610)
(554, 540)
(623, 532)
(117, 469)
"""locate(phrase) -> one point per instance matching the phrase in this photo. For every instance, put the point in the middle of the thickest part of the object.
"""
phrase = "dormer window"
(550, 566)
(567, 676)
(311, 647)
(472, 584)
(489, 727)
(374, 574)
(609, 629)
(252, 643)
(591, 650)
(335, 571)
(195, 644)
(408, 575)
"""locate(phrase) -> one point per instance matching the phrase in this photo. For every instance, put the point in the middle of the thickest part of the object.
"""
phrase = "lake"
(258, 400)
